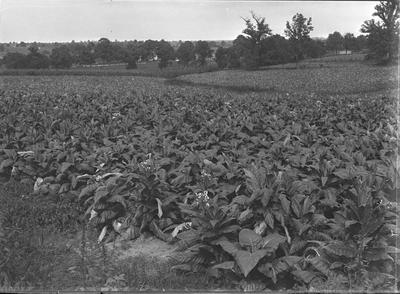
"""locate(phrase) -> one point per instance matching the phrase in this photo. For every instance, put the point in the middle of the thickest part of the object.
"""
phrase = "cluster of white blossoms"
(202, 197)
(391, 139)
(147, 165)
(228, 104)
(211, 121)
(116, 115)
(205, 174)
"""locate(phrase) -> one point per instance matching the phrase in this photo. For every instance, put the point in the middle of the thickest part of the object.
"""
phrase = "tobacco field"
(290, 184)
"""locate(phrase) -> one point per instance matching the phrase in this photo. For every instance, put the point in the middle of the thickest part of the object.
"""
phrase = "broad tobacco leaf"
(88, 190)
(268, 270)
(247, 261)
(272, 241)
(339, 248)
(252, 179)
(249, 238)
(304, 276)
(228, 265)
(228, 246)
(285, 204)
(245, 215)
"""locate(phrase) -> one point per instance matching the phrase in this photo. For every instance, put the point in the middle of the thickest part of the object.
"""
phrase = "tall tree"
(298, 33)
(383, 35)
(256, 30)
(349, 42)
(335, 42)
(104, 50)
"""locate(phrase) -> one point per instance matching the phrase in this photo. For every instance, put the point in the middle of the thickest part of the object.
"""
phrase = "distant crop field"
(339, 58)
(341, 78)
(144, 69)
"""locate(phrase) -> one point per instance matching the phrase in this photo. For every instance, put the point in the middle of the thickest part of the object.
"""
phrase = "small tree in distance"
(104, 50)
(349, 42)
(165, 53)
(131, 58)
(221, 57)
(82, 53)
(36, 60)
(185, 53)
(202, 51)
(33, 49)
(148, 50)
(61, 57)
(335, 42)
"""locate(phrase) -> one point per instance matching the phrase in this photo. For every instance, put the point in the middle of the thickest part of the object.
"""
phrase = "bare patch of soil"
(150, 247)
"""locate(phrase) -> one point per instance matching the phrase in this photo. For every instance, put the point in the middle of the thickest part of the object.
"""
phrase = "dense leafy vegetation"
(383, 35)
(268, 189)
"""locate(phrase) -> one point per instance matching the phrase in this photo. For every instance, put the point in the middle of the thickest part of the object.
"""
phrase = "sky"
(80, 20)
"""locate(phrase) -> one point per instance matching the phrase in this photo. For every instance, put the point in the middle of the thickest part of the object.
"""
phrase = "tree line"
(255, 46)
(105, 51)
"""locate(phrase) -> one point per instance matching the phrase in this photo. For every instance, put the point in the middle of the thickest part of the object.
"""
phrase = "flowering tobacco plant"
(210, 223)
(137, 195)
(151, 200)
(202, 200)
(148, 166)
